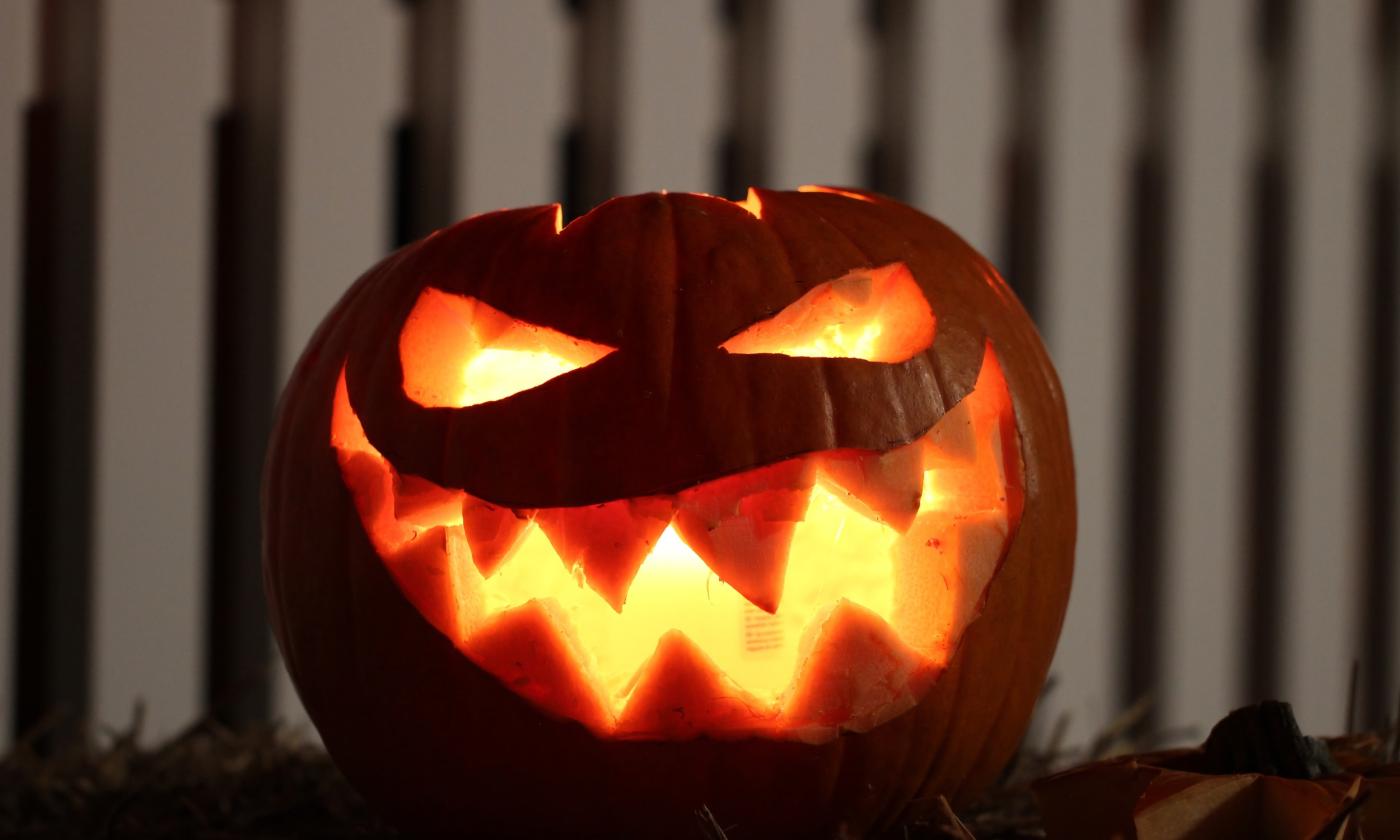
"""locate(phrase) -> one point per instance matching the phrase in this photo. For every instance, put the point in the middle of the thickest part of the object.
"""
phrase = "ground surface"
(210, 782)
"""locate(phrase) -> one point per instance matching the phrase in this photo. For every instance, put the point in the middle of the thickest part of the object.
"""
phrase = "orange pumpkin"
(762, 506)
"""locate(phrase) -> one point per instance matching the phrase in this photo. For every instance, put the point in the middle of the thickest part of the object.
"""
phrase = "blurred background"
(1196, 199)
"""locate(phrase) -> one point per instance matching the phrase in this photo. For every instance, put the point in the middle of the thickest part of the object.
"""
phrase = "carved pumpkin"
(761, 506)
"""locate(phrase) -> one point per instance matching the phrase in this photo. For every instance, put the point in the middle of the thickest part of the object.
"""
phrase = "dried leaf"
(1168, 796)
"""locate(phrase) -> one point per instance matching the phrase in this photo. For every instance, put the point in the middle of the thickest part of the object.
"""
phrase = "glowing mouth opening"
(642, 618)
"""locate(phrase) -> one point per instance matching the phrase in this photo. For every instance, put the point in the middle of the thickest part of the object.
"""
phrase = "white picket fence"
(163, 79)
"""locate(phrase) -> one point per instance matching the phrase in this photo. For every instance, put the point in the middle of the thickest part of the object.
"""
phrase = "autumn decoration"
(1255, 776)
(763, 509)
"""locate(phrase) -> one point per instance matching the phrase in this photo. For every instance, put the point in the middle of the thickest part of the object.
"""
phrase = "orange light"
(852, 580)
(876, 314)
(458, 351)
(818, 188)
(495, 373)
(752, 204)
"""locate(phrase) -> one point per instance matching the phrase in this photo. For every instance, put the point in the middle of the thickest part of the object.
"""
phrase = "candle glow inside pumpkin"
(822, 592)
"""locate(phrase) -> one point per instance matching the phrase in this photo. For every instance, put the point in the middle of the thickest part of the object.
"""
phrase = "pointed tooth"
(749, 555)
(1006, 468)
(422, 504)
(982, 542)
(943, 567)
(529, 649)
(884, 485)
(742, 525)
(955, 437)
(609, 541)
(952, 442)
(857, 675)
(371, 483)
(1006, 455)
(428, 570)
(493, 532)
(974, 450)
(680, 694)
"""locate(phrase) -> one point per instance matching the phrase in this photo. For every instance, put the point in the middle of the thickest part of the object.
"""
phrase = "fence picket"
(960, 121)
(343, 95)
(1205, 420)
(425, 141)
(517, 98)
(1379, 640)
(1085, 195)
(1319, 609)
(53, 647)
(19, 27)
(671, 78)
(152, 313)
(819, 68)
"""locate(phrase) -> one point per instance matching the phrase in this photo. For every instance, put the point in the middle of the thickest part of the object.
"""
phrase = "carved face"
(688, 502)
(707, 585)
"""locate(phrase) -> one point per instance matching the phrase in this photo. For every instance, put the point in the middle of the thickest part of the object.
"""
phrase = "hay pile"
(269, 782)
(207, 782)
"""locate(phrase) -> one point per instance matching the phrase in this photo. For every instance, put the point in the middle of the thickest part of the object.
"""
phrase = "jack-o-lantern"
(762, 506)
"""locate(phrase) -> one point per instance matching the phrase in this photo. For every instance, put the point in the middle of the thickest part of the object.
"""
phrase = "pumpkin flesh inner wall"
(836, 589)
(461, 352)
(876, 314)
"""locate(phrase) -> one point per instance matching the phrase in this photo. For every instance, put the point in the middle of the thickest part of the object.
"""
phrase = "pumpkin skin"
(438, 743)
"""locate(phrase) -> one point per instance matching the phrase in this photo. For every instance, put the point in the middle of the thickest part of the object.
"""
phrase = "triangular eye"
(458, 351)
(875, 314)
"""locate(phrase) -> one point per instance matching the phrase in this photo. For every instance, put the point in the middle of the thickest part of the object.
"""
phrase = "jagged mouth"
(798, 599)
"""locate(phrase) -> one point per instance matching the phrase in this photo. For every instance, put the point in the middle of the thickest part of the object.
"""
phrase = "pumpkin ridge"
(896, 400)
(966, 606)
(438, 740)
